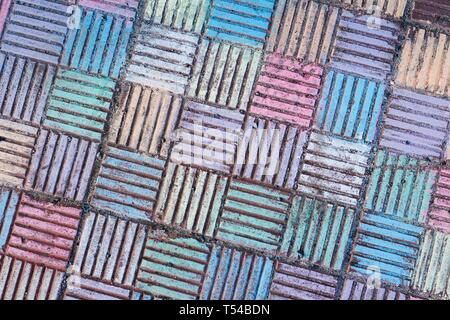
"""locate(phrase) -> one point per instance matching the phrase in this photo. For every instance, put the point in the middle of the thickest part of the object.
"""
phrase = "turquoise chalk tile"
(318, 232)
(240, 21)
(172, 268)
(401, 186)
(254, 216)
(389, 246)
(79, 104)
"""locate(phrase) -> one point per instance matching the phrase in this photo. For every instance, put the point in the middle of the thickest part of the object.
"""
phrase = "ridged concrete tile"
(318, 232)
(240, 22)
(187, 15)
(43, 233)
(145, 119)
(99, 46)
(433, 264)
(224, 74)
(90, 289)
(191, 199)
(236, 275)
(304, 30)
(387, 245)
(25, 87)
(36, 29)
(79, 104)
(439, 212)
(364, 49)
(207, 137)
(128, 183)
(350, 107)
(432, 11)
(162, 58)
(61, 165)
(299, 283)
(9, 201)
(21, 280)
(270, 152)
(425, 62)
(333, 169)
(125, 8)
(287, 90)
(173, 267)
(400, 186)
(254, 216)
(416, 124)
(16, 148)
(109, 249)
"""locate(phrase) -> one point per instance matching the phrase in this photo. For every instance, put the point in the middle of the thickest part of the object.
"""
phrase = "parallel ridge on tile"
(88, 289)
(43, 233)
(61, 165)
(364, 49)
(173, 267)
(350, 106)
(363, 289)
(190, 198)
(395, 8)
(318, 232)
(125, 8)
(304, 29)
(432, 11)
(388, 244)
(162, 58)
(79, 104)
(207, 137)
(187, 15)
(16, 147)
(128, 183)
(25, 86)
(439, 214)
(99, 46)
(224, 74)
(333, 168)
(270, 152)
(254, 216)
(425, 62)
(109, 248)
(240, 21)
(299, 283)
(236, 275)
(20, 280)
(145, 119)
(400, 186)
(287, 90)
(416, 124)
(4, 9)
(36, 29)
(8, 205)
(433, 265)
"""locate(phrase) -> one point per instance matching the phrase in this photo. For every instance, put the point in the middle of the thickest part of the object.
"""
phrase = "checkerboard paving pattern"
(224, 149)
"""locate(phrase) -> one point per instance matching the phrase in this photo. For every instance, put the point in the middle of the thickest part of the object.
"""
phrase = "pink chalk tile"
(126, 8)
(4, 8)
(439, 214)
(287, 90)
(43, 233)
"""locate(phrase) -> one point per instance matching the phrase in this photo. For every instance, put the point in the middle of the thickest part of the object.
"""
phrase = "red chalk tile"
(43, 233)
